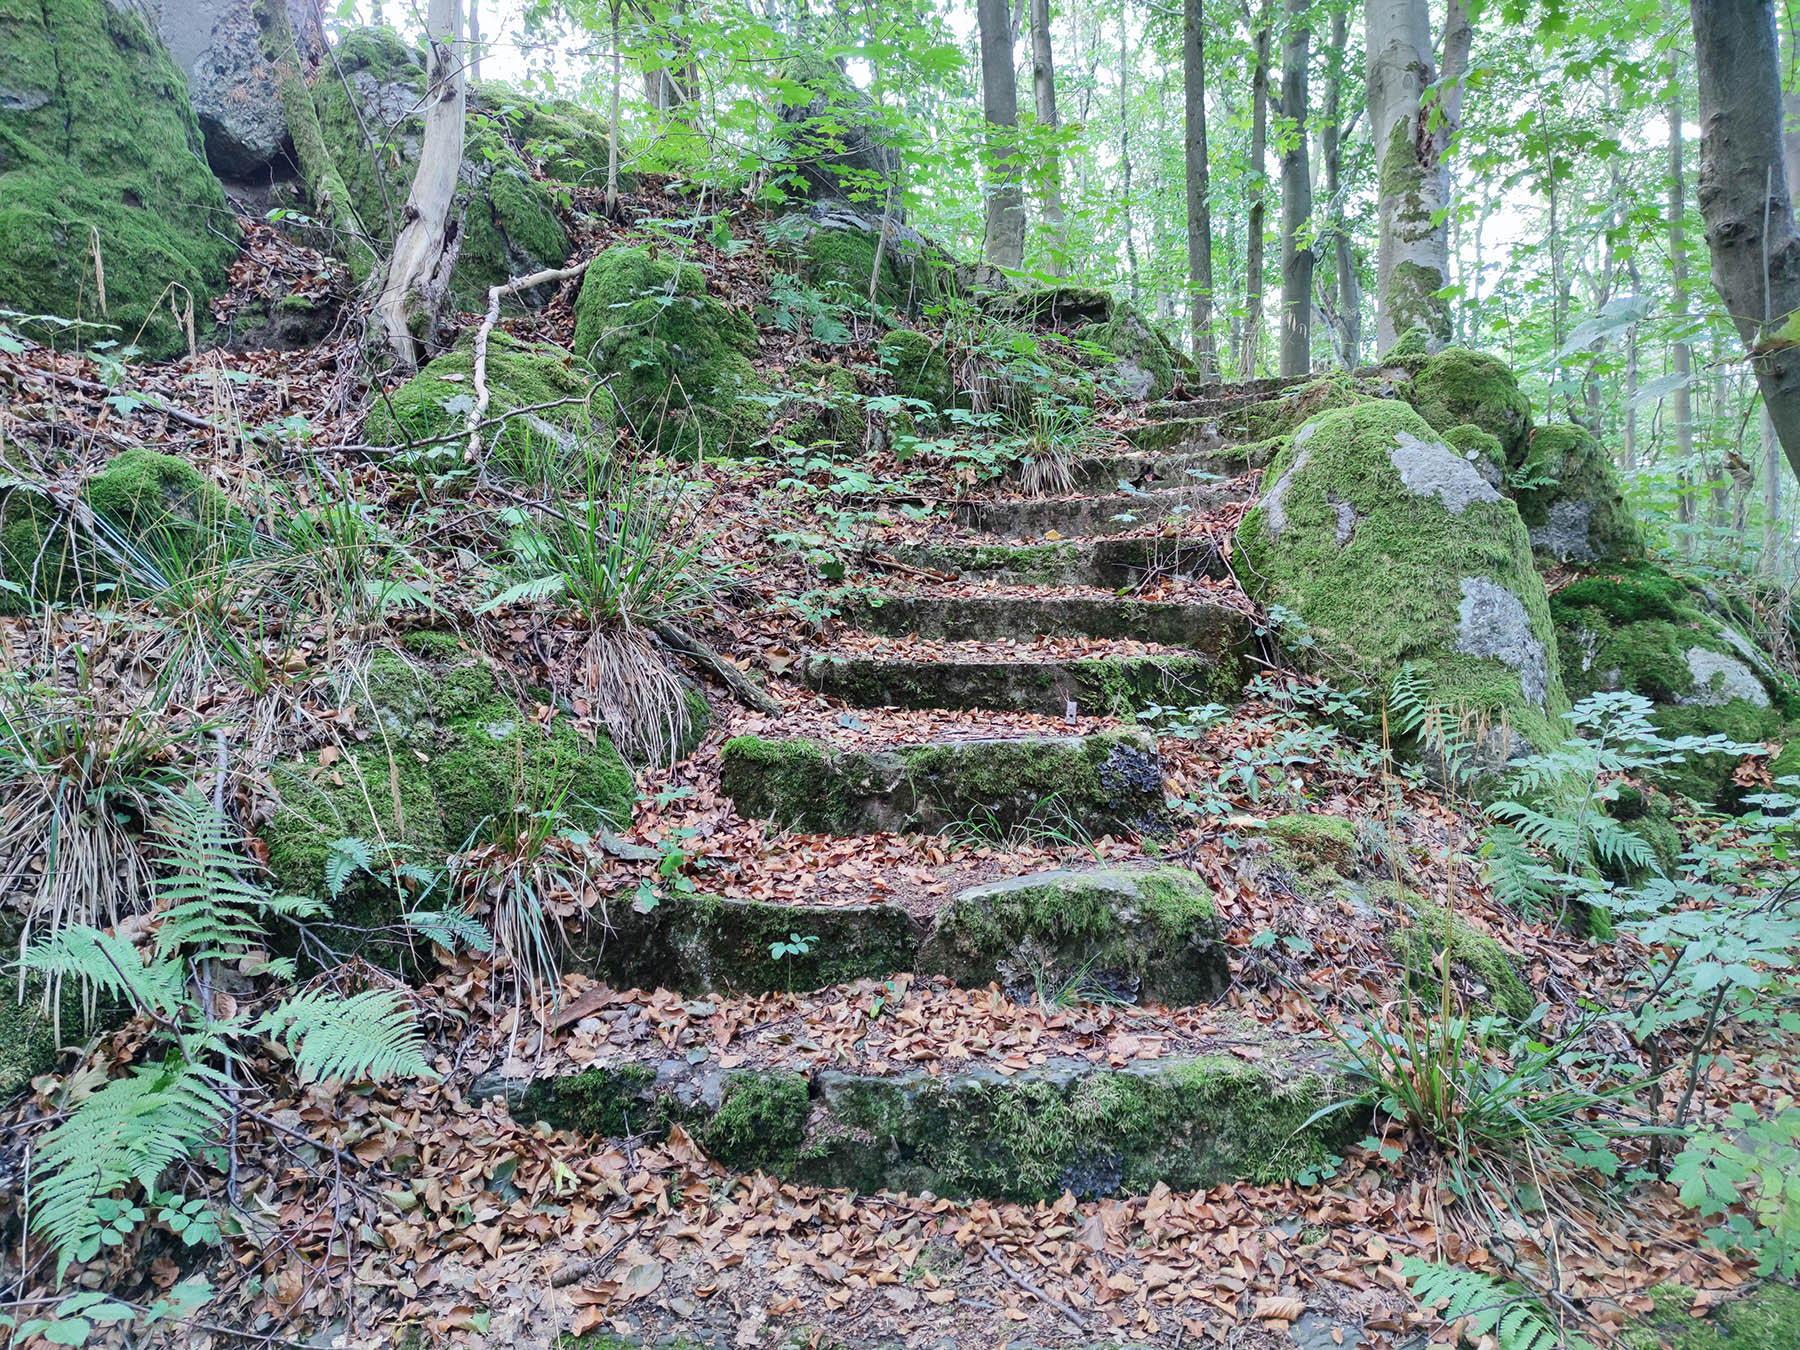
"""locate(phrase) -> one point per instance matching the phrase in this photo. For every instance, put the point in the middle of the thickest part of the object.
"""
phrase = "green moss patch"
(1148, 934)
(1315, 841)
(1458, 386)
(677, 360)
(1572, 501)
(918, 367)
(1766, 1316)
(1428, 930)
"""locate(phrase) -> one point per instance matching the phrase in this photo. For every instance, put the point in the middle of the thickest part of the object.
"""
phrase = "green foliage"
(1487, 1307)
(370, 1035)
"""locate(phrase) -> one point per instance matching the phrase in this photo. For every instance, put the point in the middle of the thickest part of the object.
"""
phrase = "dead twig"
(1032, 1289)
(679, 640)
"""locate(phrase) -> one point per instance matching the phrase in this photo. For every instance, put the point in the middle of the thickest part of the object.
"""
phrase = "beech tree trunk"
(1331, 151)
(418, 279)
(474, 39)
(1043, 89)
(1296, 198)
(1259, 147)
(611, 204)
(1005, 242)
(1131, 257)
(1681, 402)
(1199, 208)
(1413, 250)
(1743, 195)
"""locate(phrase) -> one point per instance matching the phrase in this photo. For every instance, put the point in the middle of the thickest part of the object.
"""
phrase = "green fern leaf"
(371, 1035)
(108, 963)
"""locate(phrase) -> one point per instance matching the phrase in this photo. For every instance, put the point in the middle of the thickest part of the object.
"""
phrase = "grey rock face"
(1564, 533)
(1431, 468)
(1274, 507)
(1719, 678)
(230, 82)
(1492, 621)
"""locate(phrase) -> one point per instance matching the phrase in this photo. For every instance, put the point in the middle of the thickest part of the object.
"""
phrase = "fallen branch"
(495, 295)
(93, 387)
(894, 565)
(1033, 1290)
(680, 640)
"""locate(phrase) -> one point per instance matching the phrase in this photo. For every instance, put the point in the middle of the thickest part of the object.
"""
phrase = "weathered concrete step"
(1110, 564)
(1212, 399)
(1197, 442)
(1108, 783)
(1189, 467)
(1112, 513)
(1134, 933)
(1197, 625)
(1110, 686)
(1067, 1124)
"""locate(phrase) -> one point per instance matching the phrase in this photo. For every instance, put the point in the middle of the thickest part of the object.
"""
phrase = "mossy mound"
(566, 141)
(1273, 418)
(677, 359)
(449, 753)
(99, 151)
(1477, 960)
(510, 226)
(1636, 626)
(1149, 934)
(919, 368)
(1128, 349)
(156, 504)
(1650, 815)
(1765, 1317)
(1458, 386)
(820, 406)
(430, 410)
(1571, 499)
(1310, 841)
(1395, 552)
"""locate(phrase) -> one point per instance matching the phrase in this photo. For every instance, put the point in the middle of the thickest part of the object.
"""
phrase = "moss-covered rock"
(1635, 626)
(566, 141)
(1139, 360)
(430, 411)
(829, 133)
(841, 263)
(100, 153)
(510, 225)
(820, 406)
(157, 504)
(1311, 841)
(1132, 933)
(1571, 499)
(1760, 1318)
(919, 368)
(1107, 783)
(1271, 419)
(676, 358)
(1477, 961)
(1650, 815)
(1459, 386)
(1395, 552)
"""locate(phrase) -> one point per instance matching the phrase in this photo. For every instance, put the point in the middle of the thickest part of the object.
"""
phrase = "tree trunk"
(1043, 89)
(1258, 191)
(611, 203)
(1005, 243)
(1331, 151)
(1681, 401)
(1743, 195)
(1131, 257)
(1413, 253)
(1296, 199)
(474, 39)
(418, 279)
(1199, 208)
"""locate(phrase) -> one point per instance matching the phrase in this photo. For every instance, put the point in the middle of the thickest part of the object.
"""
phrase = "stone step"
(1197, 625)
(1058, 786)
(1043, 682)
(1112, 513)
(1241, 1112)
(1127, 932)
(1110, 564)
(1189, 467)
(1211, 399)
(1197, 442)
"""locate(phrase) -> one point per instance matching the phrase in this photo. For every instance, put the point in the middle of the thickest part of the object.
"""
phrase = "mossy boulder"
(448, 754)
(1458, 386)
(1759, 1318)
(820, 405)
(1310, 841)
(677, 359)
(568, 143)
(1135, 934)
(1638, 627)
(157, 504)
(1478, 962)
(1650, 815)
(100, 153)
(429, 412)
(1572, 501)
(919, 368)
(1269, 420)
(510, 225)
(1394, 552)
(1139, 361)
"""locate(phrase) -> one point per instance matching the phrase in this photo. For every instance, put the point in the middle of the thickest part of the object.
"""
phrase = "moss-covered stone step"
(1212, 399)
(1107, 563)
(1065, 1125)
(1186, 468)
(1128, 932)
(1107, 783)
(705, 944)
(1199, 626)
(1112, 686)
(1112, 513)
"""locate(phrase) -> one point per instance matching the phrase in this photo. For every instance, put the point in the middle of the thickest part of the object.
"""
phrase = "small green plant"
(1488, 1308)
(794, 946)
(1746, 1177)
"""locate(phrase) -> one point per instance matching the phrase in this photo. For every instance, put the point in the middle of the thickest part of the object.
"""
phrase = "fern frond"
(215, 906)
(371, 1035)
(451, 928)
(131, 1130)
(345, 858)
(1519, 880)
(1619, 847)
(110, 964)
(1492, 1307)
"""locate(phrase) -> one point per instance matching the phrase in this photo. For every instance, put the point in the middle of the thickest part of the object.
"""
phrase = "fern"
(108, 963)
(1492, 1307)
(346, 858)
(368, 1035)
(214, 905)
(451, 928)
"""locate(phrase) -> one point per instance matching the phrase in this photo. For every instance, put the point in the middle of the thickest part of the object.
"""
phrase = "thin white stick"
(495, 295)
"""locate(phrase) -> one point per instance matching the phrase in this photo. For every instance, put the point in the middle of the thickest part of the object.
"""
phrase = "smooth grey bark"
(1743, 195)
(418, 278)
(1131, 256)
(1004, 245)
(611, 201)
(1258, 192)
(1413, 251)
(474, 39)
(1331, 151)
(1296, 198)
(1043, 90)
(1199, 207)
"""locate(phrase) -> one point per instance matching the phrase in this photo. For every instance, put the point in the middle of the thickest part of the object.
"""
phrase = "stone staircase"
(1025, 613)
